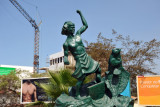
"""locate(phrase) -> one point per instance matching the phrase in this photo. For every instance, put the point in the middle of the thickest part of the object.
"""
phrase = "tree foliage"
(10, 82)
(138, 57)
(10, 85)
(38, 75)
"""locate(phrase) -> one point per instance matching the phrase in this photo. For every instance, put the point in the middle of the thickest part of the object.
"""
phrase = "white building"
(26, 69)
(23, 68)
(57, 63)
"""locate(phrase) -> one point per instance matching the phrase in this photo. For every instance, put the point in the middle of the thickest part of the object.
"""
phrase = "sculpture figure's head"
(68, 28)
(116, 51)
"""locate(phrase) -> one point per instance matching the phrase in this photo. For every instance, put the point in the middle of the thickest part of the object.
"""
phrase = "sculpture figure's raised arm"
(85, 25)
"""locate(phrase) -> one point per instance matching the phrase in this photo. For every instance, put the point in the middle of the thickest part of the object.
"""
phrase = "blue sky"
(138, 18)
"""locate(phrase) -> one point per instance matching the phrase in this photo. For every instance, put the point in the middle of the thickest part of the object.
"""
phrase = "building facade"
(23, 68)
(57, 61)
(27, 70)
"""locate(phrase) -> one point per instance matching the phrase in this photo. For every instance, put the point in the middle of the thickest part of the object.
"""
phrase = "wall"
(57, 63)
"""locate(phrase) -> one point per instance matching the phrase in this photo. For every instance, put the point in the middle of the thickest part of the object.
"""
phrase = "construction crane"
(36, 37)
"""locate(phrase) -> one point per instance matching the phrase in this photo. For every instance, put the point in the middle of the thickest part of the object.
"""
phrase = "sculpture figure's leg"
(115, 78)
(78, 86)
(98, 75)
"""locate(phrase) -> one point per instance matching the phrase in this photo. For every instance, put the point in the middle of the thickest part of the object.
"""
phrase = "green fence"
(6, 70)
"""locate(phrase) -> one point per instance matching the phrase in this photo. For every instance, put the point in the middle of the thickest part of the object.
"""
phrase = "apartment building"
(57, 61)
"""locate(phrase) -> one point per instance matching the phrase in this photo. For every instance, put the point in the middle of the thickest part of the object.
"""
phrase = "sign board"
(6, 70)
(30, 92)
(148, 88)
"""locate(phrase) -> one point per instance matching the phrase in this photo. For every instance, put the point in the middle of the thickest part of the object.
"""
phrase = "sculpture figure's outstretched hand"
(78, 11)
(85, 25)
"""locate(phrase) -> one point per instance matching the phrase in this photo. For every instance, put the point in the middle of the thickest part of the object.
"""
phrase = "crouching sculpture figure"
(116, 81)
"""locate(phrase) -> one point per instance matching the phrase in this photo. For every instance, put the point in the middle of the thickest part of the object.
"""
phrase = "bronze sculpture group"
(105, 92)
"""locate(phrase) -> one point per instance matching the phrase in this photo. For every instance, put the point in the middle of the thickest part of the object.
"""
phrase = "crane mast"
(36, 37)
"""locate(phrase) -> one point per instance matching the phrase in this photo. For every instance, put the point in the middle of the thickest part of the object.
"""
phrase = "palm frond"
(59, 83)
(67, 78)
(55, 78)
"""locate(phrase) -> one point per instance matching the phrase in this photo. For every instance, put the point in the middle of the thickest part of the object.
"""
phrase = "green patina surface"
(6, 70)
(104, 92)
(97, 91)
(85, 65)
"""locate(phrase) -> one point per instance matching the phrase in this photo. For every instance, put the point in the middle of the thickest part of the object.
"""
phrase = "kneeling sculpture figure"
(104, 92)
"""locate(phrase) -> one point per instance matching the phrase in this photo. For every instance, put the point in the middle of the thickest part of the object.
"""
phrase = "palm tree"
(59, 83)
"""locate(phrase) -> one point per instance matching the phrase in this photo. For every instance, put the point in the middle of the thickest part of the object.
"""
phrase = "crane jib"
(36, 38)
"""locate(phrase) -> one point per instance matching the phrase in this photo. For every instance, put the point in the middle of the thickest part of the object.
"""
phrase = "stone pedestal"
(96, 95)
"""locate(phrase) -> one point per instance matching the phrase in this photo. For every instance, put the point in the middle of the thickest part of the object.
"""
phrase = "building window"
(60, 59)
(50, 62)
(53, 61)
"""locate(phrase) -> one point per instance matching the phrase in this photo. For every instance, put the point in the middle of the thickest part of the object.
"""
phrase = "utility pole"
(36, 37)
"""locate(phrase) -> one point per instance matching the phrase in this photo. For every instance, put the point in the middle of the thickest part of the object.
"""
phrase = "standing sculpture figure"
(85, 65)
